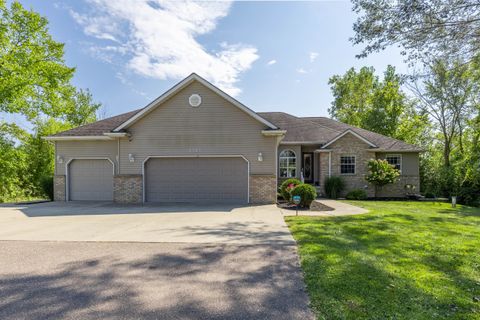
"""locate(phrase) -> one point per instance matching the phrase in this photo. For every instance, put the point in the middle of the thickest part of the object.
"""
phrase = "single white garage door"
(90, 180)
(214, 180)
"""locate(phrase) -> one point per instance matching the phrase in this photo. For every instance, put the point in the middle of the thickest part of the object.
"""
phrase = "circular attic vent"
(195, 100)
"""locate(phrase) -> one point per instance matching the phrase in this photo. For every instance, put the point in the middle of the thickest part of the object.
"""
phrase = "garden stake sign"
(296, 200)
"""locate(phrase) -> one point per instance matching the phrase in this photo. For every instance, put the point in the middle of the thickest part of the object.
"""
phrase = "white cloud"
(271, 62)
(157, 38)
(313, 56)
(301, 70)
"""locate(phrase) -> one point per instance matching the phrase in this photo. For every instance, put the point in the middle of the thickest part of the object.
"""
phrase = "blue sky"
(272, 56)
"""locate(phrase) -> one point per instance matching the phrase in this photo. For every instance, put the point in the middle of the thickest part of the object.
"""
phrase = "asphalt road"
(115, 280)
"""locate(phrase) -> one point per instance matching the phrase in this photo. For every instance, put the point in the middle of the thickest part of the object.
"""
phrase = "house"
(195, 143)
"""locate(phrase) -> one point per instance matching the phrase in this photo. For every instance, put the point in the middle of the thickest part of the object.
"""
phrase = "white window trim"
(280, 168)
(354, 166)
(396, 155)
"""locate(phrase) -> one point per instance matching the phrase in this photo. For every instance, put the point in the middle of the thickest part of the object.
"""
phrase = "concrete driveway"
(83, 221)
(104, 261)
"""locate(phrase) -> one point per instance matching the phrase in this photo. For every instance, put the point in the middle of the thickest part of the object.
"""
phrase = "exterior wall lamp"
(260, 157)
(131, 158)
(59, 159)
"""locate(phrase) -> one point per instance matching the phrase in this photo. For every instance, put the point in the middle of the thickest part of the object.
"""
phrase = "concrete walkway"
(339, 209)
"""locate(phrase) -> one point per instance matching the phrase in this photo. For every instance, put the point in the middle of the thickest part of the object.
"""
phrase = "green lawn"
(403, 260)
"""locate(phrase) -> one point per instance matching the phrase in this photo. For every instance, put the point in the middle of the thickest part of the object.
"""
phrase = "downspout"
(330, 163)
(118, 156)
(55, 160)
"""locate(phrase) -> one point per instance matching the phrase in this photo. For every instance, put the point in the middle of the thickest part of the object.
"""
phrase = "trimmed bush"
(46, 182)
(334, 186)
(429, 195)
(287, 186)
(357, 194)
(306, 192)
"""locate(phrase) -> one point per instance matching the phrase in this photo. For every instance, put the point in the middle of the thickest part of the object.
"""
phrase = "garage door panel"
(196, 180)
(91, 179)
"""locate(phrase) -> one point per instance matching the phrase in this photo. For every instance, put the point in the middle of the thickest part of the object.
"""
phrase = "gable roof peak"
(182, 84)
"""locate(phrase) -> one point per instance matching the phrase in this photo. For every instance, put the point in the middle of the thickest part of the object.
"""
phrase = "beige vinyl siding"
(216, 127)
(84, 149)
(410, 162)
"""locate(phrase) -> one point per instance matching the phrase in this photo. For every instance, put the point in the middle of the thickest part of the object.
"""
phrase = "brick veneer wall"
(128, 188)
(398, 188)
(59, 188)
(351, 145)
(263, 189)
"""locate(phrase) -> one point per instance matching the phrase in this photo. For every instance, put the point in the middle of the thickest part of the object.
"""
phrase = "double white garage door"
(204, 179)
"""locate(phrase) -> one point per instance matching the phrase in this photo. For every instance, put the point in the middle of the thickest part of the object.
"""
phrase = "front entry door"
(307, 167)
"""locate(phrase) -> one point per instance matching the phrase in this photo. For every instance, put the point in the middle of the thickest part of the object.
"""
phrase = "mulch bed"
(289, 206)
(315, 206)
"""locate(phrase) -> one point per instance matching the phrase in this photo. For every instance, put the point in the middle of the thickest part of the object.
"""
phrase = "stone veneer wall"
(351, 145)
(398, 188)
(128, 188)
(263, 189)
(59, 188)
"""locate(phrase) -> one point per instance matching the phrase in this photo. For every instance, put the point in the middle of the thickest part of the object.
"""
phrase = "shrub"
(306, 192)
(429, 195)
(46, 182)
(357, 194)
(334, 186)
(381, 173)
(287, 186)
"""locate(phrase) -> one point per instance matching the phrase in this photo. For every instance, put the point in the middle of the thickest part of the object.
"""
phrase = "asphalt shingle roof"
(98, 128)
(322, 129)
(299, 129)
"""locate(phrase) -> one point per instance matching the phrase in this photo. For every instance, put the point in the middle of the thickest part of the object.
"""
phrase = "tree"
(35, 83)
(422, 28)
(81, 109)
(448, 94)
(33, 76)
(14, 174)
(362, 100)
(381, 173)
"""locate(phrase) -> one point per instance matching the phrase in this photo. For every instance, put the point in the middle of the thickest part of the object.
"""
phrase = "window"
(395, 160)
(347, 165)
(288, 164)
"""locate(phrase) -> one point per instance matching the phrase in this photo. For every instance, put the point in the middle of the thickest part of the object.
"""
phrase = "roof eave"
(395, 150)
(76, 138)
(270, 133)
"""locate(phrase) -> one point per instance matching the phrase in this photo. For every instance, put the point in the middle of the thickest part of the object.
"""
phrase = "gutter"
(106, 136)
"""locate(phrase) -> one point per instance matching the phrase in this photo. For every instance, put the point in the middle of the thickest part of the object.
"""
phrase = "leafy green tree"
(81, 109)
(34, 83)
(33, 76)
(14, 174)
(422, 28)
(361, 99)
(448, 93)
(381, 173)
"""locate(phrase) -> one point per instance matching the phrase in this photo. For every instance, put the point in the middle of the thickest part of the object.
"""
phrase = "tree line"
(437, 105)
(36, 88)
